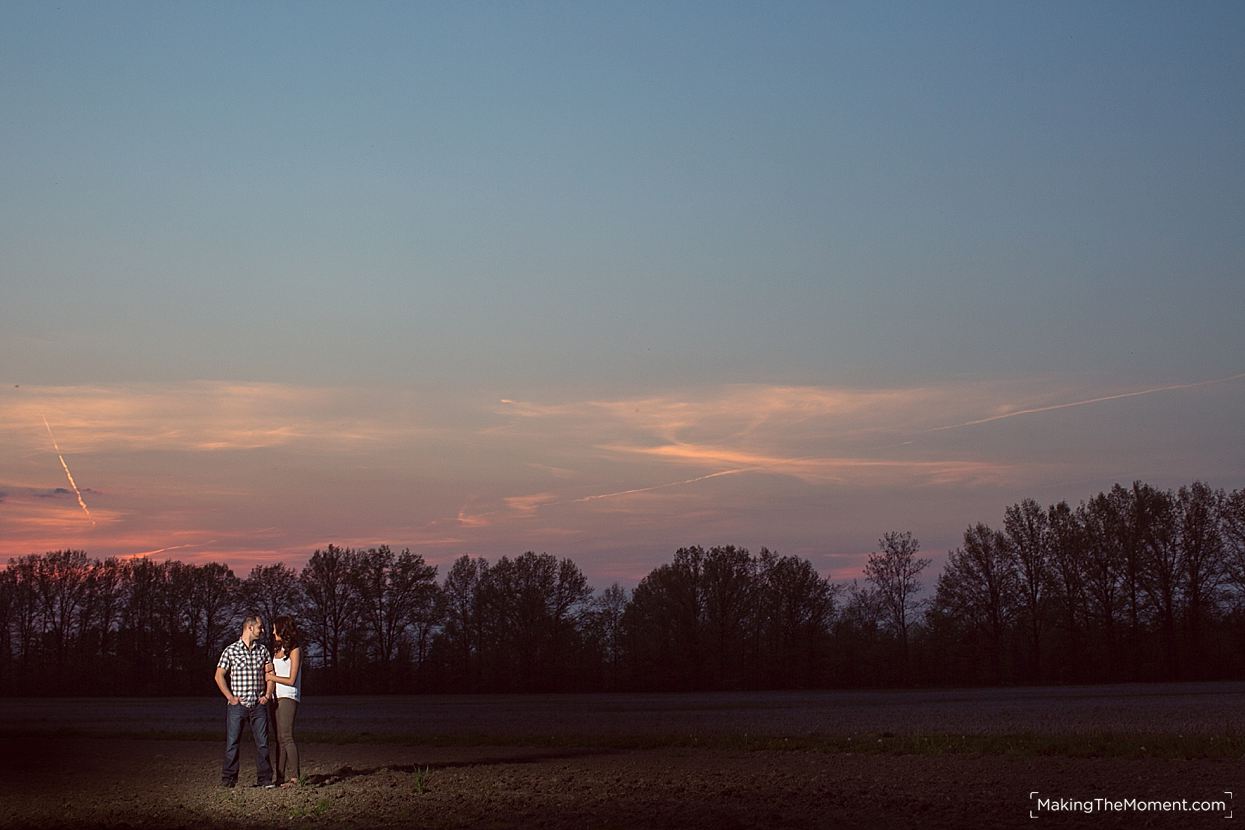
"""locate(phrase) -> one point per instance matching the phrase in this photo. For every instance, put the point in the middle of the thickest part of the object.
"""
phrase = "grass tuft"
(420, 780)
(315, 810)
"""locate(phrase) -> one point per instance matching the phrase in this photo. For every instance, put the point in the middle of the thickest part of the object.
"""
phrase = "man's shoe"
(268, 786)
(228, 785)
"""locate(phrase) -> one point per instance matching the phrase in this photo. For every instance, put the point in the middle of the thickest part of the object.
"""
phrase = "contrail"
(662, 486)
(1035, 410)
(162, 550)
(68, 474)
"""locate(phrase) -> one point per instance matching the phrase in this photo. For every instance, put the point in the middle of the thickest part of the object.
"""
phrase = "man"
(247, 693)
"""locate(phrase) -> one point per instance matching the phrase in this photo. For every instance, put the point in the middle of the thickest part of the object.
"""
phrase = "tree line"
(1134, 584)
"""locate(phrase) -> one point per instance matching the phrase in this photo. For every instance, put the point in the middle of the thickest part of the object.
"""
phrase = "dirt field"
(629, 761)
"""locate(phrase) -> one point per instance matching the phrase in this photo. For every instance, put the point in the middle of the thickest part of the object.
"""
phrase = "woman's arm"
(296, 663)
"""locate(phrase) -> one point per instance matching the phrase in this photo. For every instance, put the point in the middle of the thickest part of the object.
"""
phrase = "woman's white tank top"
(282, 667)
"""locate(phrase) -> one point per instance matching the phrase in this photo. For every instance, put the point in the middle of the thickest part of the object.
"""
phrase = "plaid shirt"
(245, 667)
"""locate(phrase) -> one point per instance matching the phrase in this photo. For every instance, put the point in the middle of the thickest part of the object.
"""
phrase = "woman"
(285, 671)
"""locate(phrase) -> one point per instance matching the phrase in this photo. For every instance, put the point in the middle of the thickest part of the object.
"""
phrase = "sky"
(604, 280)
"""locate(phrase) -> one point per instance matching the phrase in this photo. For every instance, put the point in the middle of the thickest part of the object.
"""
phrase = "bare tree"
(462, 634)
(1161, 577)
(858, 631)
(27, 621)
(331, 600)
(1104, 568)
(1233, 514)
(979, 583)
(215, 594)
(61, 583)
(106, 593)
(1202, 565)
(7, 583)
(1027, 534)
(531, 607)
(272, 591)
(603, 620)
(729, 587)
(1132, 515)
(662, 624)
(392, 590)
(895, 571)
(795, 610)
(1067, 556)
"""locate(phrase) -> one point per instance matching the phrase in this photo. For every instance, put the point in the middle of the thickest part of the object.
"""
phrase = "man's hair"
(250, 618)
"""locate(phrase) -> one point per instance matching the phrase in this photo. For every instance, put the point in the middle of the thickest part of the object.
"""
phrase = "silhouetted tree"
(331, 608)
(980, 585)
(530, 610)
(1129, 515)
(795, 611)
(106, 588)
(7, 581)
(460, 639)
(272, 591)
(1233, 527)
(1104, 568)
(662, 624)
(61, 585)
(1161, 576)
(215, 600)
(858, 638)
(140, 648)
(894, 571)
(26, 621)
(1198, 511)
(1135, 583)
(604, 630)
(729, 588)
(1068, 564)
(392, 590)
(1027, 535)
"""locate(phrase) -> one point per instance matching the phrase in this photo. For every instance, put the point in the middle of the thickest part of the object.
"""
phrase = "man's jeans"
(258, 718)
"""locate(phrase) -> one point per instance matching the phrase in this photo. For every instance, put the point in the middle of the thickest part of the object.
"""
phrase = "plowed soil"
(58, 772)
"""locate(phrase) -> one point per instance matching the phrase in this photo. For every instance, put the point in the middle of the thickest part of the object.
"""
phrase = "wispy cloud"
(194, 416)
(816, 435)
(529, 503)
(253, 473)
(1011, 412)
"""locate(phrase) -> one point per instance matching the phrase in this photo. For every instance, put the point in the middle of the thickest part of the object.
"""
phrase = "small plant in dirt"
(318, 809)
(421, 779)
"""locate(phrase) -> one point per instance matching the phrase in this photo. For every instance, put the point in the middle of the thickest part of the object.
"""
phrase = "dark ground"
(837, 759)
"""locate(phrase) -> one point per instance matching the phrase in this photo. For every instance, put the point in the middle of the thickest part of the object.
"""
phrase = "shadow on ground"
(348, 772)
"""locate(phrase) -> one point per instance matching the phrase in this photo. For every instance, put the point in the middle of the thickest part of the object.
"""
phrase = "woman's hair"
(287, 631)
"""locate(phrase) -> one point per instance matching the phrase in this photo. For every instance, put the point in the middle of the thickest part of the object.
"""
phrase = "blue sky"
(682, 240)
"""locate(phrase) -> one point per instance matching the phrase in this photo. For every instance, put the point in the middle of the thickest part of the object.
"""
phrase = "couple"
(254, 679)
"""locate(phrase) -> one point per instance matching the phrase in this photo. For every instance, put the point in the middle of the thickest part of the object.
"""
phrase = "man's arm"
(224, 687)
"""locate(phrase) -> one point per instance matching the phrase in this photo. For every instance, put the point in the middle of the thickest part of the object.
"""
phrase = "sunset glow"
(250, 474)
(605, 280)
